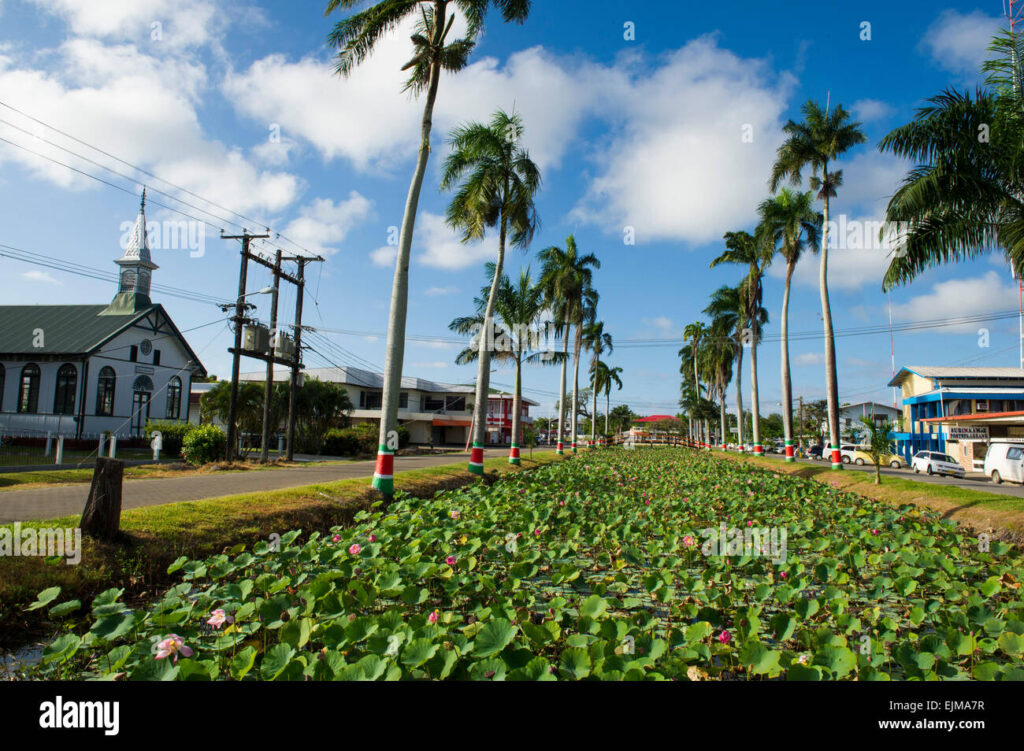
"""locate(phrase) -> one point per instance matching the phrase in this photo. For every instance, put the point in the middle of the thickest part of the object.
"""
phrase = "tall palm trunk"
(696, 380)
(787, 383)
(830, 343)
(739, 395)
(383, 477)
(577, 346)
(593, 407)
(607, 407)
(483, 369)
(559, 449)
(754, 403)
(517, 408)
(721, 413)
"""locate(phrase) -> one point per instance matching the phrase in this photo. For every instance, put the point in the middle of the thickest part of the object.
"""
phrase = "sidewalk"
(69, 500)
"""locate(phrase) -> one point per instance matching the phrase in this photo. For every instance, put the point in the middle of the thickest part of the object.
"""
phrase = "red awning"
(440, 422)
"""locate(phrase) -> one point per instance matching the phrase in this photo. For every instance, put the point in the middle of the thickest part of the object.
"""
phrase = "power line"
(137, 168)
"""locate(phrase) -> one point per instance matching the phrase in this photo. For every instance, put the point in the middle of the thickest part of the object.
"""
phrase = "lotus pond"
(599, 567)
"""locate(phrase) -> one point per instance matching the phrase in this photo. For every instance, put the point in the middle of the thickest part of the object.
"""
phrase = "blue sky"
(236, 101)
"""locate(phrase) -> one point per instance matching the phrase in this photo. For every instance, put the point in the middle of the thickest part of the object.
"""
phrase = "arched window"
(105, 386)
(143, 383)
(64, 394)
(3, 380)
(174, 398)
(28, 389)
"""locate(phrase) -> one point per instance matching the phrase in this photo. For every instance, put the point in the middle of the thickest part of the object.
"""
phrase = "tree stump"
(102, 516)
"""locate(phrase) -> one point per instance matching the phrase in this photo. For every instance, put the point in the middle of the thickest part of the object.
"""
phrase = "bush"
(203, 445)
(173, 434)
(359, 439)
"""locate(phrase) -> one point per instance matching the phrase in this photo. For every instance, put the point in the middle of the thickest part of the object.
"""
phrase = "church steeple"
(136, 270)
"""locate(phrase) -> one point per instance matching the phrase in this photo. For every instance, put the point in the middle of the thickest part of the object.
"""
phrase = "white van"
(1005, 461)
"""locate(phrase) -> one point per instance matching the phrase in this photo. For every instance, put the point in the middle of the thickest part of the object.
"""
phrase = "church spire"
(136, 269)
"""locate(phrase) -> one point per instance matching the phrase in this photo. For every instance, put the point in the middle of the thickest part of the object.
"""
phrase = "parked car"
(847, 450)
(1005, 461)
(895, 461)
(935, 463)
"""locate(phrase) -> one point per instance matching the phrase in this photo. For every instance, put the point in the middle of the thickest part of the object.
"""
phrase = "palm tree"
(756, 254)
(719, 356)
(728, 311)
(605, 378)
(498, 190)
(964, 197)
(695, 333)
(880, 439)
(597, 340)
(566, 277)
(355, 37)
(817, 142)
(789, 223)
(518, 308)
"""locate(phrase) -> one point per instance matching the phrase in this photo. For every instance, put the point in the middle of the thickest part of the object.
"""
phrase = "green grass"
(156, 535)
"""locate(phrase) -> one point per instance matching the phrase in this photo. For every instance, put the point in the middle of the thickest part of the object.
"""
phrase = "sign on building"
(958, 433)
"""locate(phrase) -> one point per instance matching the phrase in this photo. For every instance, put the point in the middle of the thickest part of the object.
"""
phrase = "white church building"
(82, 370)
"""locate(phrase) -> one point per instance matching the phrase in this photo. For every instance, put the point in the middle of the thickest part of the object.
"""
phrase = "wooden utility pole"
(294, 385)
(268, 390)
(239, 319)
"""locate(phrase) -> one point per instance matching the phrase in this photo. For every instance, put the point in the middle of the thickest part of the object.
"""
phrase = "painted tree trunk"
(696, 381)
(723, 425)
(517, 408)
(577, 346)
(787, 383)
(560, 448)
(593, 407)
(383, 476)
(831, 379)
(739, 396)
(754, 402)
(483, 368)
(607, 408)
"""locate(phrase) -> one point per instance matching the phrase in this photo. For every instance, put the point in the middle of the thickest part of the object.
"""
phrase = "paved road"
(973, 481)
(68, 500)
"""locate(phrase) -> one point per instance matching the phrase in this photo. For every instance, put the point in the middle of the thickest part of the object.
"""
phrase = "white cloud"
(869, 180)
(140, 108)
(434, 364)
(40, 276)
(958, 42)
(384, 256)
(679, 167)
(992, 292)
(809, 358)
(868, 110)
(157, 23)
(323, 224)
(661, 324)
(442, 247)
(438, 291)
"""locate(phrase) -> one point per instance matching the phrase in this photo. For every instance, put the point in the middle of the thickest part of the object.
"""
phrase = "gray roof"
(953, 372)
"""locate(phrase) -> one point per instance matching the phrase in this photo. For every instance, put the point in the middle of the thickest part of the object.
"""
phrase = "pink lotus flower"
(354, 549)
(688, 541)
(561, 503)
(750, 523)
(536, 533)
(218, 618)
(874, 531)
(647, 502)
(373, 538)
(455, 514)
(432, 617)
(173, 645)
(336, 538)
(725, 637)
(782, 574)
(450, 560)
